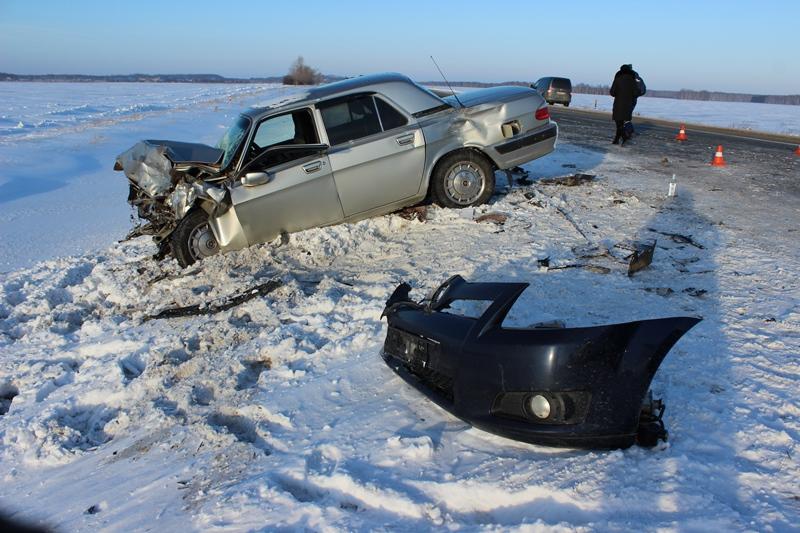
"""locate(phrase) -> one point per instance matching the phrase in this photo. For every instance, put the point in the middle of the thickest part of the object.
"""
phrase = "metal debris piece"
(419, 212)
(574, 224)
(569, 181)
(522, 175)
(591, 268)
(494, 218)
(641, 257)
(677, 237)
(697, 293)
(661, 291)
(216, 307)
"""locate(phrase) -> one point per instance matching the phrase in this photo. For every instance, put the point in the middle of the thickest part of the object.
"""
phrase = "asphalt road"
(765, 161)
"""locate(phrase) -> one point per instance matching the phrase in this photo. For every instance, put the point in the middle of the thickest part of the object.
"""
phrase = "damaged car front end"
(576, 387)
(167, 179)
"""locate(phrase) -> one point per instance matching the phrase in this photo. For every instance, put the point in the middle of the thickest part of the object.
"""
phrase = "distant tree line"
(302, 74)
(690, 94)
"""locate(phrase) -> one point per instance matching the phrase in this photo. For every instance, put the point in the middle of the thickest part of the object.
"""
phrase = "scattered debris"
(665, 161)
(641, 257)
(572, 222)
(661, 291)
(531, 197)
(591, 252)
(522, 175)
(591, 268)
(697, 293)
(494, 218)
(216, 307)
(419, 212)
(569, 181)
(96, 508)
(677, 237)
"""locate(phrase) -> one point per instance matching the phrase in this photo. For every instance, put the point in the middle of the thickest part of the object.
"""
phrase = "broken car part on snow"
(577, 387)
(339, 152)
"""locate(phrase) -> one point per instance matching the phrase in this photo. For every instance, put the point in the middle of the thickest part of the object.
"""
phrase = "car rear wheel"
(193, 239)
(463, 179)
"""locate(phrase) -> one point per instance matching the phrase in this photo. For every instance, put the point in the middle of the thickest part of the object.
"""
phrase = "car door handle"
(312, 167)
(403, 140)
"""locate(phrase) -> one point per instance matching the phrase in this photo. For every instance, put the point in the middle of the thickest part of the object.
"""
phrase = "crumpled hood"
(148, 163)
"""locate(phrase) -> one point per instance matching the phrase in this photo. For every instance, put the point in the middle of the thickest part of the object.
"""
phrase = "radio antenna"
(447, 82)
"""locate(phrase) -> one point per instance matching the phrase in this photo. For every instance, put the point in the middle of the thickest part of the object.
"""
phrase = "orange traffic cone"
(718, 161)
(797, 151)
(682, 134)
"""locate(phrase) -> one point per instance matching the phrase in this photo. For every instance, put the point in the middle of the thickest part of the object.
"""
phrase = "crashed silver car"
(340, 152)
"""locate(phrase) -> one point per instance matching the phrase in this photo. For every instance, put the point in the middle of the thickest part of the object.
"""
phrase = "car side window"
(391, 118)
(296, 127)
(350, 119)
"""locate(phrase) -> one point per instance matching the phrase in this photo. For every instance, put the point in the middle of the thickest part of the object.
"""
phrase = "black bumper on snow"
(575, 387)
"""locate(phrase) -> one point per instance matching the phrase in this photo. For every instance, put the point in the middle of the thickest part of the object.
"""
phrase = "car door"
(297, 191)
(377, 152)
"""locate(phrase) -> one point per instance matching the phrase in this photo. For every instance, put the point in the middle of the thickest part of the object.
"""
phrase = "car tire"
(462, 179)
(566, 105)
(192, 240)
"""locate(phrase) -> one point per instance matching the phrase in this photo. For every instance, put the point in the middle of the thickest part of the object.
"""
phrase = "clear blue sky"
(741, 46)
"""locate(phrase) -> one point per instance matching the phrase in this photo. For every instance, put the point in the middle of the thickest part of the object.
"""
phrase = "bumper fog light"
(539, 406)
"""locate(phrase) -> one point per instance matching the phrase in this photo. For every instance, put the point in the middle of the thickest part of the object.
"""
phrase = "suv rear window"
(562, 83)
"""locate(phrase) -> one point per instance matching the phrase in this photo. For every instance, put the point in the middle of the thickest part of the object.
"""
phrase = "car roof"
(412, 97)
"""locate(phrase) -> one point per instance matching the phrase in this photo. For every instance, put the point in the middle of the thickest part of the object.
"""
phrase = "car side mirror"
(251, 179)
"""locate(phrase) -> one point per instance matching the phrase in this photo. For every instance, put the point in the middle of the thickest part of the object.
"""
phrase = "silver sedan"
(339, 152)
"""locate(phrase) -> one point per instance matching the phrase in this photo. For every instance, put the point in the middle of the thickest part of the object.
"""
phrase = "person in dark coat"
(625, 91)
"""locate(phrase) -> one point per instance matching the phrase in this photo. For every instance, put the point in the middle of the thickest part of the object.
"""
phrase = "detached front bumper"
(575, 387)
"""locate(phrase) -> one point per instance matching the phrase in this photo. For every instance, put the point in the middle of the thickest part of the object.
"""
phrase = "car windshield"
(233, 138)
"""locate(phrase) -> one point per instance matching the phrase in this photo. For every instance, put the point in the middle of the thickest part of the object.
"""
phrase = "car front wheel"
(463, 179)
(193, 239)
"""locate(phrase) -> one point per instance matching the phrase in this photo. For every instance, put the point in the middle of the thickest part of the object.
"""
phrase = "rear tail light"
(543, 113)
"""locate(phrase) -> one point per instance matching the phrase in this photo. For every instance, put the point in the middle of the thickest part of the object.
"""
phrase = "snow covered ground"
(279, 413)
(771, 118)
(58, 142)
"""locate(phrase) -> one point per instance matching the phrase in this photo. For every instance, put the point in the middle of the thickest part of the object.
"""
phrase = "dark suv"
(554, 90)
